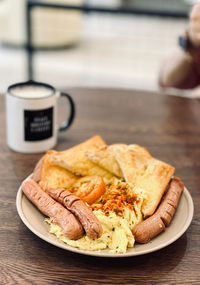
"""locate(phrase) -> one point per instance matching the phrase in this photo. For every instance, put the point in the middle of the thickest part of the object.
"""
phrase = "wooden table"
(170, 128)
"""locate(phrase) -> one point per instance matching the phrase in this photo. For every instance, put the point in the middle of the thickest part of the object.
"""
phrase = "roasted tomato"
(89, 188)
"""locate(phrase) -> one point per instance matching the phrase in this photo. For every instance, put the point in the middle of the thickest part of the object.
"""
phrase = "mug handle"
(65, 125)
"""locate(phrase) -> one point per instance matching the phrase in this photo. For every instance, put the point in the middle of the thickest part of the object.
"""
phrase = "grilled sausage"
(170, 201)
(155, 224)
(85, 215)
(71, 227)
(148, 229)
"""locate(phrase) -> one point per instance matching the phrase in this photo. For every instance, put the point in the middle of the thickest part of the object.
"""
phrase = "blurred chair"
(51, 28)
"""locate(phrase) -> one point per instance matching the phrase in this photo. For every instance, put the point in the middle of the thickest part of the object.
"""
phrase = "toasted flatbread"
(76, 161)
(146, 172)
(52, 176)
(105, 158)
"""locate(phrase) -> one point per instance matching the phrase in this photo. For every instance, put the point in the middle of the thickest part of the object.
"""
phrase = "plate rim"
(101, 253)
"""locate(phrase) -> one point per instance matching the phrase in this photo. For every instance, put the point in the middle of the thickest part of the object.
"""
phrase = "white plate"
(34, 220)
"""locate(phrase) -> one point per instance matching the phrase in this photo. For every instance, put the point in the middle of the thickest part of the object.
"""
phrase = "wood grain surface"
(170, 128)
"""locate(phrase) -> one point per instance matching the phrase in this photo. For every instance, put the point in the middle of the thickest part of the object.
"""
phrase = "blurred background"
(75, 49)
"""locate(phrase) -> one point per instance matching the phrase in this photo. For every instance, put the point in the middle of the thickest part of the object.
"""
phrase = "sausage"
(149, 228)
(170, 201)
(157, 223)
(166, 212)
(71, 227)
(85, 215)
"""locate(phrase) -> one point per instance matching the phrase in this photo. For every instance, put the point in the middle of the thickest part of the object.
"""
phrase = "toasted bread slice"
(154, 180)
(125, 162)
(105, 158)
(140, 155)
(76, 161)
(52, 176)
(146, 172)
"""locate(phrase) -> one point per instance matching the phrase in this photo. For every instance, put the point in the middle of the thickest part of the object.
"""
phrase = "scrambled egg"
(117, 229)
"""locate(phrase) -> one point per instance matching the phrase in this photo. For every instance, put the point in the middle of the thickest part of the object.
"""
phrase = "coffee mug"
(31, 116)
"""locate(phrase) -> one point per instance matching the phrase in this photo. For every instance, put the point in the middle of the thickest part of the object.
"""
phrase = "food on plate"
(37, 170)
(102, 196)
(155, 224)
(122, 199)
(116, 236)
(89, 188)
(52, 176)
(146, 172)
(170, 200)
(76, 161)
(49, 207)
(118, 211)
(104, 157)
(85, 215)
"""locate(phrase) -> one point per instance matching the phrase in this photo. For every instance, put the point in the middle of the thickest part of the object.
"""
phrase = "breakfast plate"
(34, 220)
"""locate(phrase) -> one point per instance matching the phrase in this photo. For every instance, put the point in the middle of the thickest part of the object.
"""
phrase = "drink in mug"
(31, 116)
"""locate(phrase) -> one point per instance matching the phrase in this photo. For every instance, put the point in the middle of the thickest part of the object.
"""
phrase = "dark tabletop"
(170, 128)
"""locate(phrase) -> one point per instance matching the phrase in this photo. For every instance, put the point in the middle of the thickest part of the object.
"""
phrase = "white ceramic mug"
(31, 116)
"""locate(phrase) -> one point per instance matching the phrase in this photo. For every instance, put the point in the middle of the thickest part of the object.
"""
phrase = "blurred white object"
(50, 28)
